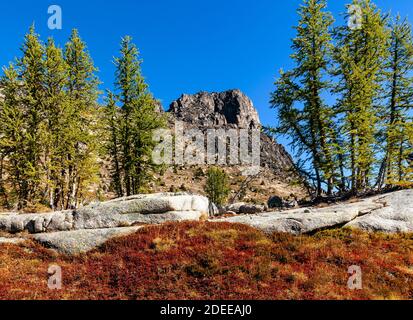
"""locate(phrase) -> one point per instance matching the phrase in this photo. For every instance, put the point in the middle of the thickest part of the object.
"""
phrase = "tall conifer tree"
(303, 114)
(31, 75)
(398, 101)
(138, 118)
(13, 142)
(112, 116)
(361, 53)
(82, 169)
(57, 115)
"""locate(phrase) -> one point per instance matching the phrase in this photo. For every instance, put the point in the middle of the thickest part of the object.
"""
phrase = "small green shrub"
(217, 186)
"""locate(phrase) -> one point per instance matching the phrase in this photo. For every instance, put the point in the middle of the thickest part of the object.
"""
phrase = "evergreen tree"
(31, 75)
(112, 116)
(82, 91)
(137, 121)
(23, 123)
(13, 142)
(399, 100)
(57, 115)
(48, 114)
(360, 55)
(303, 114)
(217, 186)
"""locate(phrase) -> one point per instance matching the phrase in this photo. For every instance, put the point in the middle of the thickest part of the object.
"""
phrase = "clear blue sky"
(187, 45)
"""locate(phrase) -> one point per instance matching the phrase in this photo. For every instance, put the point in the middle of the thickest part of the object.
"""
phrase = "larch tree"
(138, 118)
(13, 142)
(398, 101)
(82, 90)
(56, 140)
(31, 76)
(217, 186)
(303, 114)
(112, 117)
(360, 55)
(48, 114)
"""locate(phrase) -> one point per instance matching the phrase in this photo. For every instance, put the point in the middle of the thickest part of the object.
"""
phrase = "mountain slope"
(231, 110)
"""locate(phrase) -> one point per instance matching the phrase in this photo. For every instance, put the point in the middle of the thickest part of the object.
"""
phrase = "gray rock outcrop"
(142, 209)
(395, 215)
(74, 232)
(12, 240)
(235, 207)
(81, 241)
(81, 230)
(231, 109)
(37, 223)
(244, 208)
(388, 213)
(276, 202)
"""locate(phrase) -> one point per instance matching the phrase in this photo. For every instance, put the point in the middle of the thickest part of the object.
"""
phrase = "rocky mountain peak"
(229, 108)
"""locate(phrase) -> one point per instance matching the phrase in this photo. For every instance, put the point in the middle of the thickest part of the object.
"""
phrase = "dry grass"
(216, 261)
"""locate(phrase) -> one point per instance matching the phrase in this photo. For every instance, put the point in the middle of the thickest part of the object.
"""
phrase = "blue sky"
(187, 45)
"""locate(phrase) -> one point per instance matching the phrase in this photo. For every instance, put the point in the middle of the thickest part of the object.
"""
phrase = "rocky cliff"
(231, 110)
(216, 110)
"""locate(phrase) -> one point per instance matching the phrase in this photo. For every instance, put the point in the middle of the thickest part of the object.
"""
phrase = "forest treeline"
(53, 134)
(346, 105)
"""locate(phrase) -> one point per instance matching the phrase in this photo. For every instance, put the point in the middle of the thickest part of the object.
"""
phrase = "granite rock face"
(82, 230)
(37, 223)
(395, 216)
(212, 110)
(231, 110)
(81, 241)
(391, 213)
(142, 209)
(86, 228)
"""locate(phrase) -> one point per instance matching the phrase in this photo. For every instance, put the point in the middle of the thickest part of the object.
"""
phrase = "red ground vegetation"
(216, 261)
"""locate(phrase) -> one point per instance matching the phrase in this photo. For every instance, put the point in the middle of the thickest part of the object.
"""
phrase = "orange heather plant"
(216, 261)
